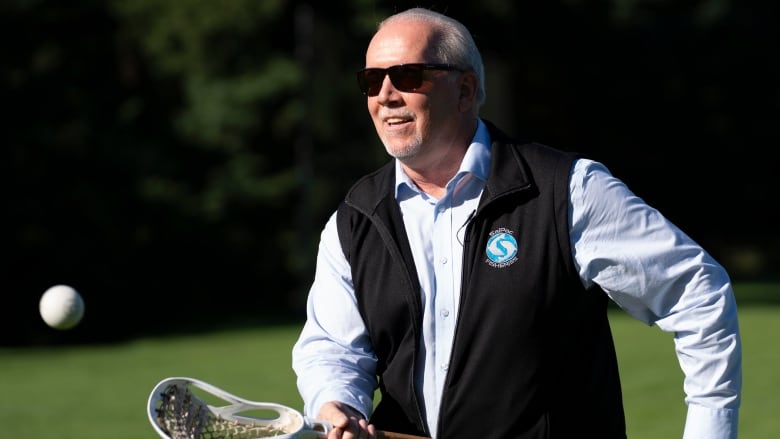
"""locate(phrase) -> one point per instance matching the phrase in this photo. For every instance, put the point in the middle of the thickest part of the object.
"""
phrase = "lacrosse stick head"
(182, 407)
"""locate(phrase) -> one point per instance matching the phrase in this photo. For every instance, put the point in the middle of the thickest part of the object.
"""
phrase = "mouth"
(397, 121)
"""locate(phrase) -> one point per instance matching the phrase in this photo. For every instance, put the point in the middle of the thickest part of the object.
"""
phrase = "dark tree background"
(175, 161)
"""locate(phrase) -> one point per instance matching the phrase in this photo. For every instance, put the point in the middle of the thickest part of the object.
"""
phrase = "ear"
(468, 91)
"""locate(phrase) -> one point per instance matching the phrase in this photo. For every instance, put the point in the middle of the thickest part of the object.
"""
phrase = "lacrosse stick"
(181, 408)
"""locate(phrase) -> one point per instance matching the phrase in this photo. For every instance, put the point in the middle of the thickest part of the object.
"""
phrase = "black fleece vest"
(533, 355)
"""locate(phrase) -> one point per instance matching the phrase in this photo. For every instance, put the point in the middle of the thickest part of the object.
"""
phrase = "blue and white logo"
(501, 248)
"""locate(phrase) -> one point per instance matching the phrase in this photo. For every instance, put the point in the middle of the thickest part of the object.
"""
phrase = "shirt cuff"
(711, 423)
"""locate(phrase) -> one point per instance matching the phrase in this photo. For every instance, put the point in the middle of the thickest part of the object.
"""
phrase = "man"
(468, 279)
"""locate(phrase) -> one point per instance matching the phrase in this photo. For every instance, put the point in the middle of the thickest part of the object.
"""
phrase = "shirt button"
(444, 313)
(443, 260)
(444, 366)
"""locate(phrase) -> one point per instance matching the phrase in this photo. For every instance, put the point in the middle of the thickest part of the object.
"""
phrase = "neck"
(432, 171)
(440, 160)
(432, 183)
(433, 174)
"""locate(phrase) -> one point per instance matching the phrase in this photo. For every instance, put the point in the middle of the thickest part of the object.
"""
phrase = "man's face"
(412, 124)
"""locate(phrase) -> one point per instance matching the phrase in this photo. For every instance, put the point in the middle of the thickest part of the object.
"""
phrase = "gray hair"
(456, 45)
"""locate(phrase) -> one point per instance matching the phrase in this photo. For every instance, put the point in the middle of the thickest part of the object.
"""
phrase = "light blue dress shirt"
(648, 266)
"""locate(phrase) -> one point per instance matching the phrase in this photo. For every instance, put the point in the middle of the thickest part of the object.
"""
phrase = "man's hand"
(347, 422)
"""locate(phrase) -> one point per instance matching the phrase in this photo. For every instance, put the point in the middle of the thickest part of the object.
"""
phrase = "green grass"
(100, 391)
(652, 379)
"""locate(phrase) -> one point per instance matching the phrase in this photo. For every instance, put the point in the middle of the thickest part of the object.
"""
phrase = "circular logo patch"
(501, 248)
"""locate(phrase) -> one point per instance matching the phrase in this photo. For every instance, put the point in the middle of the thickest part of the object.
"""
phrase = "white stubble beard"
(408, 150)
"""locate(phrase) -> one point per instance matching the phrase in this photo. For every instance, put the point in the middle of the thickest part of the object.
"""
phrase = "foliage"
(165, 152)
(236, 94)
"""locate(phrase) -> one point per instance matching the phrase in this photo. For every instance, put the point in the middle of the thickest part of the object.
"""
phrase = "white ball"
(61, 307)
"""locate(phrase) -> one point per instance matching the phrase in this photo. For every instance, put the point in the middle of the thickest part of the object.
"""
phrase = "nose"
(388, 92)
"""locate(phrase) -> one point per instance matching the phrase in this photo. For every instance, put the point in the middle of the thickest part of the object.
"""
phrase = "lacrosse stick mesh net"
(184, 416)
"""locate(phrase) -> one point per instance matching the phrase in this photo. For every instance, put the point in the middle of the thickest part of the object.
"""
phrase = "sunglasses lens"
(370, 81)
(406, 77)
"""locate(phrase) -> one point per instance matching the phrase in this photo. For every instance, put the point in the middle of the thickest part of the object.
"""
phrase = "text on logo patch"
(501, 249)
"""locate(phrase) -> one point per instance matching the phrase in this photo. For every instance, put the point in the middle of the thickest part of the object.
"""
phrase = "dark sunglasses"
(405, 77)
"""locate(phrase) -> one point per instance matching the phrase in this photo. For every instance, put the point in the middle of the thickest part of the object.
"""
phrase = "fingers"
(347, 422)
(333, 413)
(355, 429)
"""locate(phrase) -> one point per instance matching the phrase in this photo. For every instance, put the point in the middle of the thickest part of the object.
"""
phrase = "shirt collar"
(476, 162)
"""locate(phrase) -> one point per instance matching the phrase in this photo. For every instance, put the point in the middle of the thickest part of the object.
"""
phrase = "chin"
(401, 148)
(401, 151)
